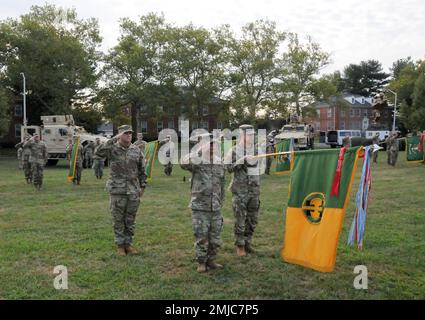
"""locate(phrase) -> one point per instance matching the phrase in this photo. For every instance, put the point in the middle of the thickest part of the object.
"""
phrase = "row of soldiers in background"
(207, 199)
(34, 156)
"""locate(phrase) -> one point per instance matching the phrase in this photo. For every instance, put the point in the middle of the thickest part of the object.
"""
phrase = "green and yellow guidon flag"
(150, 154)
(73, 161)
(283, 161)
(413, 154)
(314, 217)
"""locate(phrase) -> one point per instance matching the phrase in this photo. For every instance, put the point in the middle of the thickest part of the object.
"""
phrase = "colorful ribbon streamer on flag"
(362, 201)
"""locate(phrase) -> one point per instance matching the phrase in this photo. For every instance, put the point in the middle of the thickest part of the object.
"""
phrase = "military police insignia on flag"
(314, 214)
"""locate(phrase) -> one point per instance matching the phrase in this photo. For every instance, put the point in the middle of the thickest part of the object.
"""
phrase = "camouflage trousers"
(78, 171)
(392, 157)
(88, 159)
(123, 209)
(375, 156)
(207, 227)
(27, 170)
(168, 168)
(245, 210)
(37, 173)
(98, 167)
(269, 161)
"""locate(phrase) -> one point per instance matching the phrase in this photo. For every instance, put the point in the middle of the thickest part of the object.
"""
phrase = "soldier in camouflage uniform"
(25, 156)
(168, 167)
(245, 188)
(98, 162)
(269, 149)
(38, 159)
(88, 154)
(375, 140)
(126, 185)
(207, 198)
(392, 148)
(140, 142)
(78, 162)
(346, 142)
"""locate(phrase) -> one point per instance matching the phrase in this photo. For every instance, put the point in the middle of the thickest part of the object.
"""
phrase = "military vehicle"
(298, 132)
(56, 132)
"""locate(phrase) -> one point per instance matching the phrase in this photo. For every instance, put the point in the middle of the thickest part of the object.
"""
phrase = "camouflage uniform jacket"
(26, 152)
(79, 152)
(89, 148)
(95, 156)
(127, 167)
(207, 186)
(141, 144)
(38, 152)
(392, 144)
(242, 182)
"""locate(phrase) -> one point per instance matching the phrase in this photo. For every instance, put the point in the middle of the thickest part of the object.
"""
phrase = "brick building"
(356, 115)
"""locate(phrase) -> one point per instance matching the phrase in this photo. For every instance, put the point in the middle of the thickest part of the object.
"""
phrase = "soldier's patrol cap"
(125, 128)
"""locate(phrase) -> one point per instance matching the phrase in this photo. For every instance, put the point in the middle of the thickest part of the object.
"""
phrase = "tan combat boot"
(121, 250)
(202, 268)
(240, 251)
(130, 250)
(211, 264)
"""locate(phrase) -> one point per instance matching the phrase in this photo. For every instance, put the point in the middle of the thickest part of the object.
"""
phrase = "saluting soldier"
(37, 159)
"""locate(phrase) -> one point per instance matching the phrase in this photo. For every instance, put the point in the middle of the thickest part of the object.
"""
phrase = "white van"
(334, 137)
(382, 134)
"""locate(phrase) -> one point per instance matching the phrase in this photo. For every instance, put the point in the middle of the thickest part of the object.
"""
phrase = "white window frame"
(20, 108)
(18, 130)
(159, 127)
(144, 128)
(172, 124)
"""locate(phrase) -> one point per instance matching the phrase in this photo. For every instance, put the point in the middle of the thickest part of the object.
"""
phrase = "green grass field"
(68, 225)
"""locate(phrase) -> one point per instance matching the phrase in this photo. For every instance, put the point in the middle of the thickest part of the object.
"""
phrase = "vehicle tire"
(52, 162)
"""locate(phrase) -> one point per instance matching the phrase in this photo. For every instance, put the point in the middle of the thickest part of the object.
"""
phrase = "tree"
(253, 61)
(87, 117)
(197, 59)
(4, 111)
(399, 65)
(136, 62)
(364, 78)
(410, 88)
(56, 51)
(297, 71)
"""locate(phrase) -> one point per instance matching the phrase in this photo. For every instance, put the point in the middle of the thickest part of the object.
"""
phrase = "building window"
(365, 113)
(17, 130)
(159, 126)
(329, 113)
(18, 110)
(220, 125)
(342, 125)
(342, 113)
(204, 125)
(205, 110)
(357, 112)
(144, 126)
(171, 124)
(143, 109)
(353, 100)
(351, 113)
(194, 125)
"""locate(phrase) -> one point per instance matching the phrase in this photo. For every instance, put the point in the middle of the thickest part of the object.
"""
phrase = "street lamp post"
(395, 106)
(25, 100)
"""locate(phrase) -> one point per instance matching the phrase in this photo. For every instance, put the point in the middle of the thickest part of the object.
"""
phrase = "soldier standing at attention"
(25, 156)
(88, 154)
(245, 188)
(140, 142)
(207, 198)
(392, 148)
(375, 140)
(78, 162)
(168, 167)
(269, 149)
(126, 185)
(98, 162)
(37, 159)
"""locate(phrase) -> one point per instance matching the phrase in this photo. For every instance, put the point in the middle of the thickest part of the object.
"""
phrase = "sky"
(350, 30)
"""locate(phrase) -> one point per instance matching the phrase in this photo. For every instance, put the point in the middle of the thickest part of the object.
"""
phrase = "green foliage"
(410, 88)
(4, 111)
(364, 78)
(297, 69)
(87, 117)
(57, 53)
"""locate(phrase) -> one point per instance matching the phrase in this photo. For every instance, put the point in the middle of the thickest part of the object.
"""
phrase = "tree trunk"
(134, 122)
